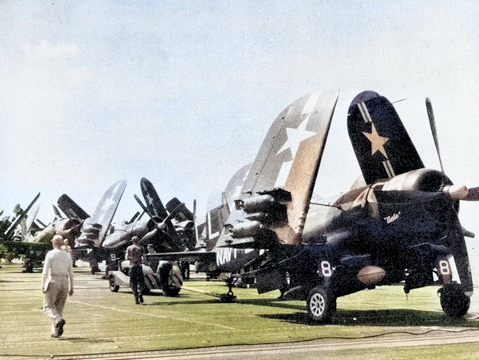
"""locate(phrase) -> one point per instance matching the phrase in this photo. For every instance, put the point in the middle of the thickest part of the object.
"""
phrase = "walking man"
(57, 283)
(135, 254)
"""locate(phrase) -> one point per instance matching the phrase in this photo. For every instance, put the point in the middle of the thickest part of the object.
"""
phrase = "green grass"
(99, 321)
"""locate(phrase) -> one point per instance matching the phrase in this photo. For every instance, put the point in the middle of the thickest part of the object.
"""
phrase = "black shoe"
(141, 299)
(59, 327)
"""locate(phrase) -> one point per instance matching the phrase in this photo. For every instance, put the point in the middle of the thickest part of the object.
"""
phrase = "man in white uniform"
(57, 283)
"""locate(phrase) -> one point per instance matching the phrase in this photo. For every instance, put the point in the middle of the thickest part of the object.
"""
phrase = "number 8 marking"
(326, 269)
(444, 268)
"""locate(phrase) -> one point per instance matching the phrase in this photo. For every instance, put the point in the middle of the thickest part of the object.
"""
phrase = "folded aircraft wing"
(71, 209)
(289, 159)
(21, 216)
(95, 227)
(380, 141)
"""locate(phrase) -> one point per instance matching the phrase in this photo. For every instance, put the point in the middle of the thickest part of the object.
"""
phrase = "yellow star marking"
(377, 142)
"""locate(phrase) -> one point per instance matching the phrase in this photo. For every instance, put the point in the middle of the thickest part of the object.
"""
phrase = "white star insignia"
(296, 136)
(104, 209)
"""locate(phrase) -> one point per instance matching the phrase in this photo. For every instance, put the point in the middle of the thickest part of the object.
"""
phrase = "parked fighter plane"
(402, 226)
(95, 227)
(22, 216)
(160, 229)
(219, 256)
(17, 238)
(76, 225)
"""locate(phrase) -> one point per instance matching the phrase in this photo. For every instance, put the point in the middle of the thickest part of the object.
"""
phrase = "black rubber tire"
(321, 304)
(453, 300)
(112, 283)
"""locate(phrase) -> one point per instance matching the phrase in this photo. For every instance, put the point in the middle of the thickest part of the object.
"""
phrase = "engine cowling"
(419, 180)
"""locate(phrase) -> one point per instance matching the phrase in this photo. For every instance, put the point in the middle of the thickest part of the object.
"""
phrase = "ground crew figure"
(57, 283)
(68, 249)
(135, 254)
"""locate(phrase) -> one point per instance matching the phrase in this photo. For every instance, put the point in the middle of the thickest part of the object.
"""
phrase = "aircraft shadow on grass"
(386, 317)
(394, 317)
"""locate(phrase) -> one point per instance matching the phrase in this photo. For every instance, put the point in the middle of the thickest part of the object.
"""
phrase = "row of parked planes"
(397, 224)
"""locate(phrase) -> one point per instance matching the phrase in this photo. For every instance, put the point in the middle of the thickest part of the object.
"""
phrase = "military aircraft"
(402, 226)
(171, 234)
(82, 230)
(94, 228)
(160, 229)
(218, 256)
(66, 225)
(17, 238)
(21, 218)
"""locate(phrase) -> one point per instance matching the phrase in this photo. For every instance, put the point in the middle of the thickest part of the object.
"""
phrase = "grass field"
(99, 321)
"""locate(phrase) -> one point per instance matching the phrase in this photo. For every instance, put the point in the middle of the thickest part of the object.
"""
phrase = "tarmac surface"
(308, 350)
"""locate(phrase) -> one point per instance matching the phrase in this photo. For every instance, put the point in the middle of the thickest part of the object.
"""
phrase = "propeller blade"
(197, 236)
(141, 204)
(472, 194)
(161, 225)
(432, 123)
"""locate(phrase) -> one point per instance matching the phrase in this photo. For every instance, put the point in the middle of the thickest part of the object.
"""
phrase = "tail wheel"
(145, 290)
(113, 286)
(171, 279)
(171, 288)
(453, 300)
(321, 304)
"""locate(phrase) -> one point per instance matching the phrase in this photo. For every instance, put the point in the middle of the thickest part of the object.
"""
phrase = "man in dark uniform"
(135, 254)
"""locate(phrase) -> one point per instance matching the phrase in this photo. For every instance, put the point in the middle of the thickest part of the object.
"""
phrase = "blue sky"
(183, 92)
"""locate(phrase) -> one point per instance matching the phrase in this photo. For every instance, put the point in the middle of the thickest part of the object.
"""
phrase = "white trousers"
(54, 299)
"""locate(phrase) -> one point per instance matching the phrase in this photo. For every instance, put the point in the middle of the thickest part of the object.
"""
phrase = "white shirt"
(57, 263)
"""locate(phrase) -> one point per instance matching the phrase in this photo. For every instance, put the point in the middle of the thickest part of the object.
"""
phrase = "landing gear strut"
(229, 297)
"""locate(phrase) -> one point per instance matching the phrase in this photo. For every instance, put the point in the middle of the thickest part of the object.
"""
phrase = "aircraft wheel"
(29, 266)
(171, 291)
(453, 300)
(113, 286)
(228, 298)
(321, 304)
(145, 290)
(171, 279)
